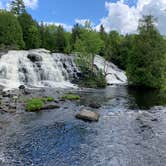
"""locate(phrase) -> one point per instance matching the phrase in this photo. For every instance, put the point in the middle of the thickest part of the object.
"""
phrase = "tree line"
(141, 55)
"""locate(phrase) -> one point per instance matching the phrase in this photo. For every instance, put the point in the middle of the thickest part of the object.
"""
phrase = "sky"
(120, 15)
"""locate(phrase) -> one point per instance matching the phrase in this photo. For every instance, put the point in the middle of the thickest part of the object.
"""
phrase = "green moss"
(70, 96)
(47, 99)
(50, 99)
(34, 104)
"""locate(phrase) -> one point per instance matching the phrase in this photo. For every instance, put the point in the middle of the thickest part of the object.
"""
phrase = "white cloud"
(65, 26)
(33, 4)
(82, 21)
(124, 19)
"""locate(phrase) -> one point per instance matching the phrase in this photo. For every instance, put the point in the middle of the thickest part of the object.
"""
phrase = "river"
(131, 132)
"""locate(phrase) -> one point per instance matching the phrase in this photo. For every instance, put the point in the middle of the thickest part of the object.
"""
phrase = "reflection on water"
(123, 136)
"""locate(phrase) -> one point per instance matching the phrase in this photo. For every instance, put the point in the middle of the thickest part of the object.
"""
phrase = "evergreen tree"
(115, 40)
(147, 60)
(10, 31)
(31, 33)
(17, 7)
(60, 40)
(76, 34)
(104, 37)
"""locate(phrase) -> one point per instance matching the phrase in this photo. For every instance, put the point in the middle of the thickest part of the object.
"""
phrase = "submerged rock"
(87, 115)
(94, 105)
(50, 106)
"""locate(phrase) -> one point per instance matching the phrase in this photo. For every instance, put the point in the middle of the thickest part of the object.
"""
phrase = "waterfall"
(40, 68)
(113, 74)
(36, 68)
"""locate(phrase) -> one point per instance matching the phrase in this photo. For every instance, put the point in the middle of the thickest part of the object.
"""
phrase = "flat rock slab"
(87, 115)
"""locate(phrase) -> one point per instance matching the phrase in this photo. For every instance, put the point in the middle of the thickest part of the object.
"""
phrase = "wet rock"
(34, 57)
(50, 106)
(12, 106)
(6, 94)
(87, 115)
(154, 119)
(94, 105)
(22, 87)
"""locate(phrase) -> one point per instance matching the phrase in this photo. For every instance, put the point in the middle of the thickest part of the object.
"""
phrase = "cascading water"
(36, 68)
(113, 74)
(40, 68)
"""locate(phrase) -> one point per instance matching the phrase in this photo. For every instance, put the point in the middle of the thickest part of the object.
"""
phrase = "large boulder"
(87, 115)
(34, 57)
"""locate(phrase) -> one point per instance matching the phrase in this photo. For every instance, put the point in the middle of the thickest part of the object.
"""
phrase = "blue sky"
(119, 15)
(66, 11)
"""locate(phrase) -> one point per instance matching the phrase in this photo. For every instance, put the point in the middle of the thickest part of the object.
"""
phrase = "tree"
(48, 33)
(60, 39)
(17, 7)
(114, 40)
(10, 31)
(88, 45)
(76, 34)
(146, 66)
(31, 33)
(125, 48)
(105, 50)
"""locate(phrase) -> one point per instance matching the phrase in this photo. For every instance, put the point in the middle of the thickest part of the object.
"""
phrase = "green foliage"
(70, 96)
(47, 33)
(49, 99)
(75, 35)
(10, 31)
(31, 34)
(34, 104)
(93, 79)
(147, 61)
(17, 7)
(86, 47)
(60, 40)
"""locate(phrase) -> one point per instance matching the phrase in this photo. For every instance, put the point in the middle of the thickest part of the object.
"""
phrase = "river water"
(131, 132)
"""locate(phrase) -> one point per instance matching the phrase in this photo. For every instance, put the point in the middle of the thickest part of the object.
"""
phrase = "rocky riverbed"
(130, 131)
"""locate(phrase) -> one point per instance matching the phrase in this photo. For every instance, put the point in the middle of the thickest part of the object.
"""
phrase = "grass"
(70, 96)
(35, 104)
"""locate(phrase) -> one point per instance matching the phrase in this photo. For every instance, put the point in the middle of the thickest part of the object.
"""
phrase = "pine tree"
(17, 7)
(147, 60)
(31, 33)
(60, 39)
(11, 36)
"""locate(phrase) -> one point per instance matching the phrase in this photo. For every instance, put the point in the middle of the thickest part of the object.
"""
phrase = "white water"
(47, 70)
(17, 69)
(113, 74)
